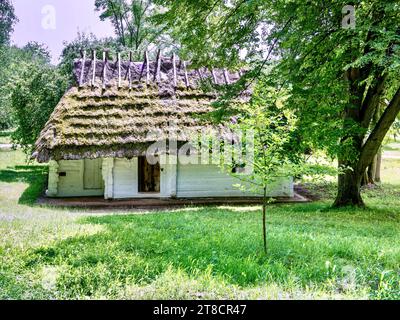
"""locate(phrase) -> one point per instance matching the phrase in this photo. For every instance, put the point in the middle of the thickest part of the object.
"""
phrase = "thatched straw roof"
(119, 115)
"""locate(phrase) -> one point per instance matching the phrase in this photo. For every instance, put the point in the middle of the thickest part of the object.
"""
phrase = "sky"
(54, 21)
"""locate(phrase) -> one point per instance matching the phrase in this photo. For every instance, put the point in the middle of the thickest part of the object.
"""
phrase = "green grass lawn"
(196, 253)
(5, 137)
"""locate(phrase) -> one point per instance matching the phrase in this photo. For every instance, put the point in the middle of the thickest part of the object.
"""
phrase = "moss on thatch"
(91, 121)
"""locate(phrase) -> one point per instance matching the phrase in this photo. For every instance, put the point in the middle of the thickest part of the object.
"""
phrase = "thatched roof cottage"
(98, 135)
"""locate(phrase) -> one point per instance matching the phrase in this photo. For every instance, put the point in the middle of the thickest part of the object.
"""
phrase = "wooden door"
(92, 177)
(125, 179)
(149, 176)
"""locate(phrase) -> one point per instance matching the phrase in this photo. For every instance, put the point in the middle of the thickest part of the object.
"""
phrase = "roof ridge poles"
(145, 64)
(94, 67)
(214, 76)
(105, 60)
(83, 62)
(158, 67)
(226, 76)
(119, 69)
(129, 70)
(128, 73)
(174, 69)
(147, 68)
(186, 74)
(200, 74)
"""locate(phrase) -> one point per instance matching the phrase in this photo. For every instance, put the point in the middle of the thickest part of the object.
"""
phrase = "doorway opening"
(149, 176)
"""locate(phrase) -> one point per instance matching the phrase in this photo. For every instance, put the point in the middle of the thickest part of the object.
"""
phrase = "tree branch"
(371, 100)
(377, 135)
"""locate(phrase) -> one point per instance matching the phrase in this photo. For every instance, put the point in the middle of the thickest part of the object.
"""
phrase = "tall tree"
(6, 120)
(337, 71)
(7, 21)
(343, 74)
(13, 61)
(35, 87)
(131, 20)
(85, 42)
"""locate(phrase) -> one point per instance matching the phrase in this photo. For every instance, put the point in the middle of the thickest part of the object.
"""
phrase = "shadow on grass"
(5, 133)
(224, 243)
(34, 176)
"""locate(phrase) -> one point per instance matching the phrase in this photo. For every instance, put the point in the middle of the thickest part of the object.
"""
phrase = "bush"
(34, 96)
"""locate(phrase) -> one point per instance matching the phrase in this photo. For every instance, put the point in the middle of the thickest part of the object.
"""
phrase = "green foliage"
(6, 120)
(7, 21)
(12, 61)
(335, 77)
(35, 51)
(271, 127)
(214, 33)
(311, 52)
(35, 93)
(5, 137)
(316, 68)
(274, 133)
(87, 42)
(132, 22)
(396, 129)
(30, 88)
(193, 253)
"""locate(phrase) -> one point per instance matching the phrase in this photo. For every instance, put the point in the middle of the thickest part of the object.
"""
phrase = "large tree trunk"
(363, 105)
(378, 166)
(349, 189)
(372, 170)
(369, 177)
(349, 181)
